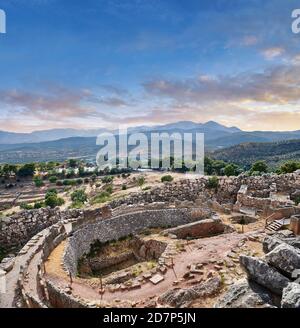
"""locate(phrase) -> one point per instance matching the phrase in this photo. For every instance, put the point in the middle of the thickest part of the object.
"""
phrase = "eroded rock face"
(269, 243)
(246, 295)
(285, 258)
(184, 297)
(263, 274)
(291, 296)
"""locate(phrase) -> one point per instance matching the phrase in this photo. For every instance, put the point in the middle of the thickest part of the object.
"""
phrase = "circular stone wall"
(120, 226)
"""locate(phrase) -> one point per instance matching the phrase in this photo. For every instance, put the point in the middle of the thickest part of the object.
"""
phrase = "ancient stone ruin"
(180, 245)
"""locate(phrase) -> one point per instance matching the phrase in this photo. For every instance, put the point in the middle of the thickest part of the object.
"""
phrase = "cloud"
(276, 85)
(272, 53)
(54, 103)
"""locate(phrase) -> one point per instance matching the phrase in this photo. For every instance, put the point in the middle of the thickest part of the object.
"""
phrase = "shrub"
(109, 189)
(231, 170)
(38, 182)
(107, 179)
(38, 205)
(259, 166)
(289, 167)
(53, 201)
(140, 181)
(213, 182)
(79, 181)
(69, 182)
(167, 178)
(53, 179)
(79, 196)
(26, 206)
(124, 187)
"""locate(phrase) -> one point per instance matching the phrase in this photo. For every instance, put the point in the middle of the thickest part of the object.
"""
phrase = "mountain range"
(60, 144)
(218, 135)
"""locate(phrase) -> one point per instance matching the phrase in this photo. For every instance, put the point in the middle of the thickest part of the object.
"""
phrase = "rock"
(269, 243)
(156, 279)
(184, 297)
(291, 296)
(266, 276)
(245, 295)
(285, 258)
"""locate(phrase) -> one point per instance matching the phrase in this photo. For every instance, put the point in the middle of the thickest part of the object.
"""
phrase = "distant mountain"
(272, 152)
(45, 135)
(60, 144)
(216, 135)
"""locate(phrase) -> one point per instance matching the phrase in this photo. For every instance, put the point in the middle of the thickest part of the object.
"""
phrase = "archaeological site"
(182, 244)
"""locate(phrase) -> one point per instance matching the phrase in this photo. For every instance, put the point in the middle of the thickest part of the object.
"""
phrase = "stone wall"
(192, 189)
(204, 228)
(16, 230)
(118, 227)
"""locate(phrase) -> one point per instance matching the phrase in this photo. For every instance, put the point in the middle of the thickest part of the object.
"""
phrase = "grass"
(103, 197)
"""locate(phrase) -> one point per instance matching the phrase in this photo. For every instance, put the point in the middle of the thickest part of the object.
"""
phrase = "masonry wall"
(117, 227)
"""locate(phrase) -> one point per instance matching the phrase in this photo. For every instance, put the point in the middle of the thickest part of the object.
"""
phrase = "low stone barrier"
(118, 227)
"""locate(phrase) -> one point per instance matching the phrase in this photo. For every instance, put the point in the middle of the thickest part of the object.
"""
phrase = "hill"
(272, 152)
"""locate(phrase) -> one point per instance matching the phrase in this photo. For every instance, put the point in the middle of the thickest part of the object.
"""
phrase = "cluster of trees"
(220, 168)
(20, 171)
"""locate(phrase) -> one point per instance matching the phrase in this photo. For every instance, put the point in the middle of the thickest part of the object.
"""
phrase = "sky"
(111, 63)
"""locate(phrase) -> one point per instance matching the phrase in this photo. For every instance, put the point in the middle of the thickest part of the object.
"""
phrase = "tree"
(231, 170)
(208, 165)
(259, 166)
(53, 201)
(27, 170)
(72, 163)
(289, 167)
(9, 170)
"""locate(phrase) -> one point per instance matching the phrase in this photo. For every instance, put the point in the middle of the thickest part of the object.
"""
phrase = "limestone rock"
(266, 276)
(269, 243)
(246, 295)
(285, 258)
(291, 296)
(184, 297)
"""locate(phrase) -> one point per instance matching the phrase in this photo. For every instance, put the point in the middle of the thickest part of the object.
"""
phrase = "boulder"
(184, 297)
(263, 274)
(291, 296)
(269, 243)
(246, 294)
(285, 258)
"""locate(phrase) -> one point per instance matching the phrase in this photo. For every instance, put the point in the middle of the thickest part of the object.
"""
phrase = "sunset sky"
(105, 63)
